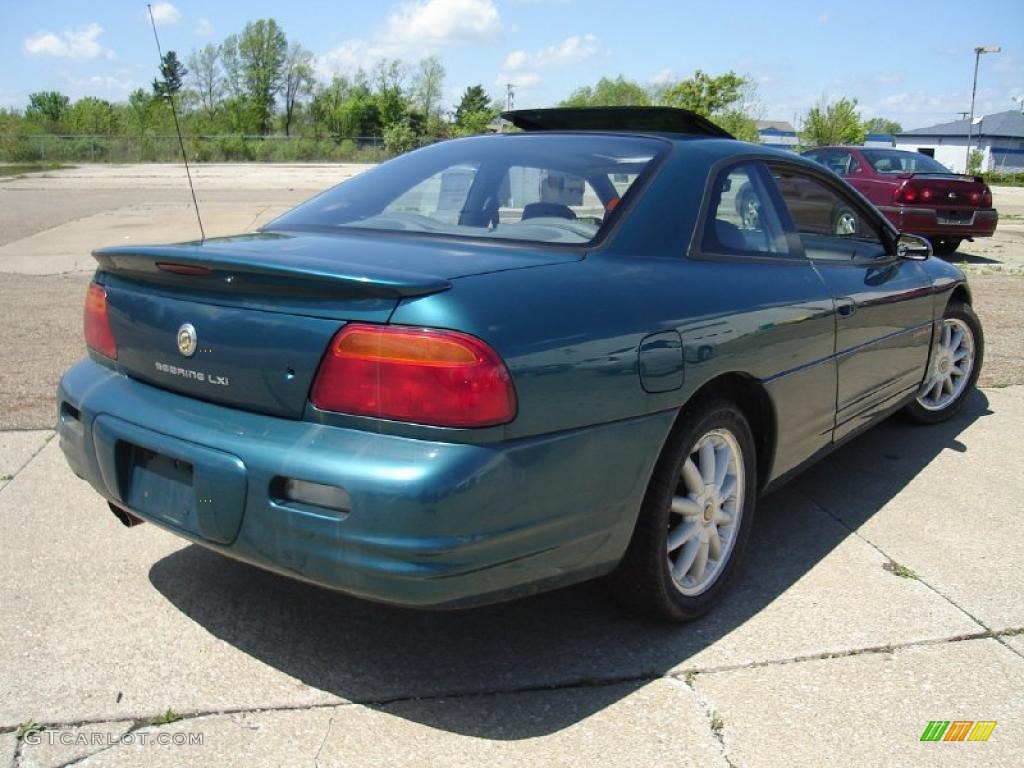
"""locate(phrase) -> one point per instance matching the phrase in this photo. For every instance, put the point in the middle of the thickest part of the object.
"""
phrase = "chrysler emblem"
(952, 195)
(187, 340)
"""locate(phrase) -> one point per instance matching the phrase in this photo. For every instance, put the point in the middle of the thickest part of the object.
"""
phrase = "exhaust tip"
(128, 520)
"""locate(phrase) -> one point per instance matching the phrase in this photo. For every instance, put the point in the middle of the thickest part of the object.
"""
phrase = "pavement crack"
(916, 577)
(8, 479)
(327, 733)
(716, 724)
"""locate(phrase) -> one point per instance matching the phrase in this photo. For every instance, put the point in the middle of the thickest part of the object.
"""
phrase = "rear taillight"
(98, 336)
(986, 198)
(420, 375)
(905, 193)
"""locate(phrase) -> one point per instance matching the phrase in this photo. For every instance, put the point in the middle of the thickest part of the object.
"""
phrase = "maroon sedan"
(918, 194)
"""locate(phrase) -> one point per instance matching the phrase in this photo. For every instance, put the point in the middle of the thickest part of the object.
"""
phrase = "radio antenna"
(177, 128)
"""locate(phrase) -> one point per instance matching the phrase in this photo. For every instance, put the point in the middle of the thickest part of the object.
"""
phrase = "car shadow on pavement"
(960, 257)
(387, 658)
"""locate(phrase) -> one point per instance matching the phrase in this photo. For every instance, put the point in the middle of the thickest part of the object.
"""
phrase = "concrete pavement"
(823, 655)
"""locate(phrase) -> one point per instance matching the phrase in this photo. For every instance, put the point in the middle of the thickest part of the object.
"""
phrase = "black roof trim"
(633, 119)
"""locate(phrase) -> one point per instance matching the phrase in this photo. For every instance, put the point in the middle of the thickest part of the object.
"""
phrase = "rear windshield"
(544, 188)
(894, 161)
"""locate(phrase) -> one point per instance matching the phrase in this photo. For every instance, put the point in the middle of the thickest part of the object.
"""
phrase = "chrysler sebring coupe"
(503, 364)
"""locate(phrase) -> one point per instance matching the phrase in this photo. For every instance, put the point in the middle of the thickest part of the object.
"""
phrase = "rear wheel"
(844, 221)
(953, 368)
(695, 520)
(944, 246)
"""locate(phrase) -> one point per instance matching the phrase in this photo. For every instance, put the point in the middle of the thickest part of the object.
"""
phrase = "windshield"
(547, 188)
(894, 161)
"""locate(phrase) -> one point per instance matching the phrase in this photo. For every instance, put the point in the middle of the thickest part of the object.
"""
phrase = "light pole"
(974, 88)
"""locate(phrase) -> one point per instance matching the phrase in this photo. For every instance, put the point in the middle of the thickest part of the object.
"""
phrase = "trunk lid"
(261, 309)
(948, 190)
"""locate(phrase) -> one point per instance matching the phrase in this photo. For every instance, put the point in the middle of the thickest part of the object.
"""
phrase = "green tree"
(207, 78)
(389, 89)
(399, 138)
(427, 87)
(474, 100)
(881, 125)
(706, 94)
(90, 115)
(172, 76)
(261, 52)
(48, 108)
(298, 81)
(138, 115)
(828, 123)
(619, 92)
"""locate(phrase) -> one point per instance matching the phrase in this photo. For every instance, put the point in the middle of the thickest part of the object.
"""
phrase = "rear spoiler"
(950, 175)
(633, 119)
(204, 267)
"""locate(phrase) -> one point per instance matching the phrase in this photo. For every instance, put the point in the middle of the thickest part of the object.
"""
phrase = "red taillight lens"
(904, 193)
(98, 336)
(420, 375)
(986, 198)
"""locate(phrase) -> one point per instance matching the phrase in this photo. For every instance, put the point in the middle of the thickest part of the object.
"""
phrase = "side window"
(441, 197)
(741, 218)
(827, 222)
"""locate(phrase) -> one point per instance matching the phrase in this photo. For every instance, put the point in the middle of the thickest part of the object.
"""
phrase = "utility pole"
(974, 88)
(510, 95)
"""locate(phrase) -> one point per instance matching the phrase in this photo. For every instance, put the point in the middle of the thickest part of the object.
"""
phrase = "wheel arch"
(751, 397)
(961, 293)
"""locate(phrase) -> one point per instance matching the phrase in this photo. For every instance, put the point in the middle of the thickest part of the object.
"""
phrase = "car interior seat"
(552, 210)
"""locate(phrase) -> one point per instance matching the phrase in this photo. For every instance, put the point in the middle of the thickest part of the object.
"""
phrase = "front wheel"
(696, 517)
(953, 368)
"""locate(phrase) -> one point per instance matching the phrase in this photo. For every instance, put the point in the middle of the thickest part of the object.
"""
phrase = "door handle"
(845, 306)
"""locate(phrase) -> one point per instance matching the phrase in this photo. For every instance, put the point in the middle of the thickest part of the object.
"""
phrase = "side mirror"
(913, 247)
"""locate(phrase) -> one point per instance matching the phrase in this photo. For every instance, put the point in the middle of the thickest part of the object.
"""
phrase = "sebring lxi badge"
(188, 343)
(187, 339)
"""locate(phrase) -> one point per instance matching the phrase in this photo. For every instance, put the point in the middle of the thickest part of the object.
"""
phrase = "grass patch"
(717, 723)
(168, 717)
(5, 478)
(27, 729)
(899, 570)
(17, 169)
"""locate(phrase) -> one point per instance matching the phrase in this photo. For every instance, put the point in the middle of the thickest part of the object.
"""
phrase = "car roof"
(663, 120)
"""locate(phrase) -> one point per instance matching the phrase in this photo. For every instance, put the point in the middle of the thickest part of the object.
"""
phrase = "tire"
(845, 221)
(644, 581)
(932, 408)
(945, 246)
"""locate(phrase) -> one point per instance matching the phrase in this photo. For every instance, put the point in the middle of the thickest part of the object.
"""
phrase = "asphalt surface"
(883, 590)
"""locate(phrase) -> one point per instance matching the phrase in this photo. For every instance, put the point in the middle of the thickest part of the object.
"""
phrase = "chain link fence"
(51, 148)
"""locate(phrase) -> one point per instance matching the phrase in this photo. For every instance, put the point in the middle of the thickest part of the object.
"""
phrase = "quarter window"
(741, 218)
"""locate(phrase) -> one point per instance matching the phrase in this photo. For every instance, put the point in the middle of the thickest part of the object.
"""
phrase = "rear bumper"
(428, 523)
(930, 222)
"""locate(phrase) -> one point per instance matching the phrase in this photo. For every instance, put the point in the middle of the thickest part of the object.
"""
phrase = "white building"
(999, 137)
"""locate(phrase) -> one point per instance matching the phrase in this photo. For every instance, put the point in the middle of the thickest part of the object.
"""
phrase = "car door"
(884, 307)
(749, 297)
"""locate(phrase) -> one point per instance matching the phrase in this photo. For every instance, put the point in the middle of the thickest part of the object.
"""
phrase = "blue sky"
(907, 60)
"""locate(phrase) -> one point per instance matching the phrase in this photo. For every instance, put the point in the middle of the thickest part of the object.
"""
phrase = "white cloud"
(416, 29)
(203, 28)
(572, 50)
(518, 79)
(823, 19)
(73, 43)
(443, 22)
(664, 77)
(103, 86)
(164, 14)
